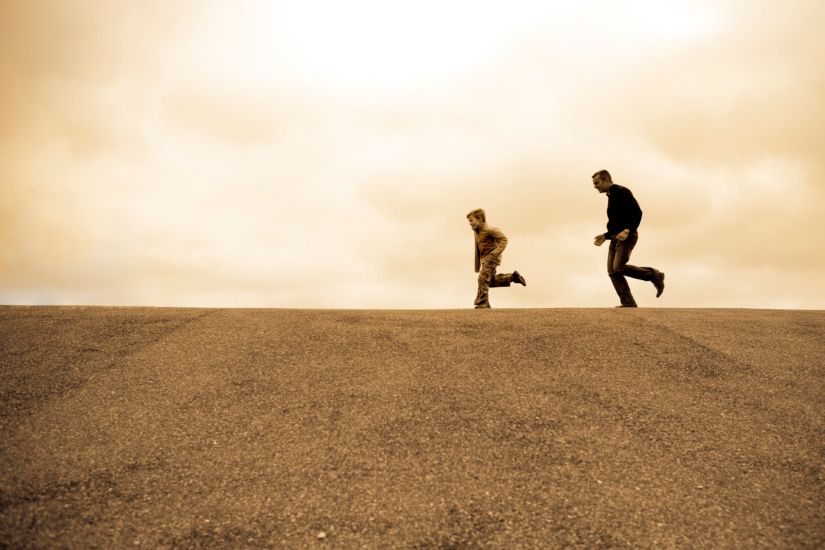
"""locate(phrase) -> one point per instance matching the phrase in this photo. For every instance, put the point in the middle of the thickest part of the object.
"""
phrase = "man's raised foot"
(659, 283)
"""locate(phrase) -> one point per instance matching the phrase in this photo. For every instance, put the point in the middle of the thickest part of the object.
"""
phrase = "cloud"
(752, 92)
(720, 142)
(212, 162)
(70, 70)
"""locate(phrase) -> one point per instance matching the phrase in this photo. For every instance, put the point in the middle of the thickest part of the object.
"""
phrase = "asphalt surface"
(592, 428)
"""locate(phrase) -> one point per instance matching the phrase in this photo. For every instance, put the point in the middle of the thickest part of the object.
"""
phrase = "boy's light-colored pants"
(487, 278)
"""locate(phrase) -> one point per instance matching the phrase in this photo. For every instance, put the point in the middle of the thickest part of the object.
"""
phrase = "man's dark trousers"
(617, 267)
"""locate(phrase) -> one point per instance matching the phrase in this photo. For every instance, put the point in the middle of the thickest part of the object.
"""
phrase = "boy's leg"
(506, 279)
(486, 278)
(502, 279)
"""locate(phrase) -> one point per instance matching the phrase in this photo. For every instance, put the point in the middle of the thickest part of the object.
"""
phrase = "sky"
(312, 154)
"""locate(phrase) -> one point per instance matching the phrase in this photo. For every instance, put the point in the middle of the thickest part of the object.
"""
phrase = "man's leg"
(642, 273)
(617, 256)
(486, 279)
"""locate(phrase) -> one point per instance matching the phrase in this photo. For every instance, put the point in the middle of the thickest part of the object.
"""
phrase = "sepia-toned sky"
(309, 153)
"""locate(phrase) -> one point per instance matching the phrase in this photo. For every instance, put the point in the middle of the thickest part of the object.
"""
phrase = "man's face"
(600, 184)
(475, 223)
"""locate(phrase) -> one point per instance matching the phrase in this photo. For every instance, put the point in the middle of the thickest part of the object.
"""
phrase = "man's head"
(477, 218)
(602, 181)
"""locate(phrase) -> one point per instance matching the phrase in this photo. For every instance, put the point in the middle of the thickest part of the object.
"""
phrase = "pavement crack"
(693, 354)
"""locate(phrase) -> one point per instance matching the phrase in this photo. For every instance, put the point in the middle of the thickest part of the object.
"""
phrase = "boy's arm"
(501, 244)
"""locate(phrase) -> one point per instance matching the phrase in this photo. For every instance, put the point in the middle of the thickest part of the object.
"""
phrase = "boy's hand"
(598, 240)
(623, 235)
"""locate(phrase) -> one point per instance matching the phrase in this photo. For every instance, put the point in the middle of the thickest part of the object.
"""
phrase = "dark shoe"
(634, 305)
(659, 283)
(518, 278)
(483, 306)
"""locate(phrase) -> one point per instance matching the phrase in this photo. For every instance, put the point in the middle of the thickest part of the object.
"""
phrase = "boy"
(490, 242)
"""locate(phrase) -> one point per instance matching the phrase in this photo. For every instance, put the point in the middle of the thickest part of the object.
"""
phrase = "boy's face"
(475, 223)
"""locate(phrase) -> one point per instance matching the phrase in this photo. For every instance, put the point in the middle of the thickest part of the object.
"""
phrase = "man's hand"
(599, 239)
(623, 235)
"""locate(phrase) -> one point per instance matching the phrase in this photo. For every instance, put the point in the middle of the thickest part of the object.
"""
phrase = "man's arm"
(631, 212)
(625, 216)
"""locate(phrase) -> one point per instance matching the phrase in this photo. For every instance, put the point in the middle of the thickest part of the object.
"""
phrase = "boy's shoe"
(634, 305)
(483, 306)
(518, 278)
(659, 283)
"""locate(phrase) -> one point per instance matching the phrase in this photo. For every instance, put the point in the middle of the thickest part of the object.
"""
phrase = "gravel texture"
(266, 428)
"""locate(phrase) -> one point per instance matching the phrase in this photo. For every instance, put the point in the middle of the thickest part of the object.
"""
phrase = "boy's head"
(476, 218)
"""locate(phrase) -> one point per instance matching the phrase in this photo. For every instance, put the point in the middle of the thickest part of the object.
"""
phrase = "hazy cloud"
(194, 154)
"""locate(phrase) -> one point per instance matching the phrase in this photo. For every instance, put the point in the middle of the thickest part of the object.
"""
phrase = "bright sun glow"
(389, 44)
(375, 47)
(384, 46)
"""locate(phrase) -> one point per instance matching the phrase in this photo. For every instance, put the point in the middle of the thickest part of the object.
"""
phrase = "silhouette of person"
(623, 218)
(490, 243)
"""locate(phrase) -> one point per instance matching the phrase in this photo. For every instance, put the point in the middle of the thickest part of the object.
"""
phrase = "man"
(490, 243)
(623, 219)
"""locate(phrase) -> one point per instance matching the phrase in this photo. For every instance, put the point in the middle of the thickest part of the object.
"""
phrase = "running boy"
(490, 243)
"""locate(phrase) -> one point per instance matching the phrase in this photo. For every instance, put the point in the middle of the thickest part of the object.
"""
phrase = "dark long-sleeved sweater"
(623, 211)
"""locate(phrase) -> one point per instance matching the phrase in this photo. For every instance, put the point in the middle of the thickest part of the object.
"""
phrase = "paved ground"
(134, 427)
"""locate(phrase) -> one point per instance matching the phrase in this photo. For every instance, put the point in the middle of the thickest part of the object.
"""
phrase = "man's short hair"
(479, 214)
(603, 175)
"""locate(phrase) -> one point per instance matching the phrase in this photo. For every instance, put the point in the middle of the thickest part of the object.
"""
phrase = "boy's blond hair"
(478, 213)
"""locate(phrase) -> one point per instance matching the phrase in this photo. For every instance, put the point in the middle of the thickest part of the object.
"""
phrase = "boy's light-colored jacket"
(490, 243)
